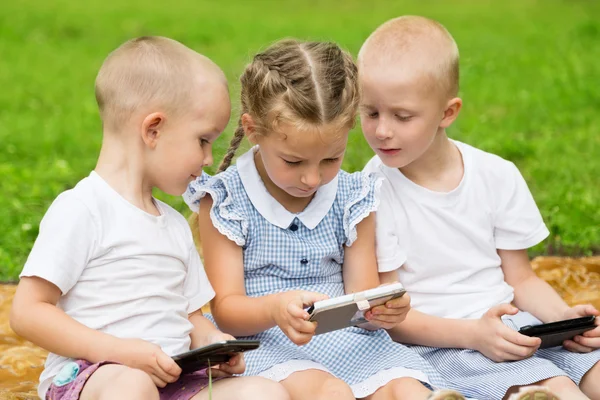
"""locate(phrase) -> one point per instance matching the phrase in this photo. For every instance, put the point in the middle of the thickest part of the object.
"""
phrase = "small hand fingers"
(296, 311)
(158, 381)
(576, 347)
(590, 342)
(518, 338)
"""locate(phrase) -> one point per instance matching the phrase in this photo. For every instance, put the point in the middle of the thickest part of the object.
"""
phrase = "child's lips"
(390, 152)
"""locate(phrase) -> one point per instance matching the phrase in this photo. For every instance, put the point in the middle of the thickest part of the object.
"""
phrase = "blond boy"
(114, 286)
(455, 224)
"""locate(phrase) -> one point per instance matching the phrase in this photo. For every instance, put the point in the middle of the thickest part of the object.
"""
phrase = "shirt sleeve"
(391, 254)
(65, 243)
(518, 223)
(197, 287)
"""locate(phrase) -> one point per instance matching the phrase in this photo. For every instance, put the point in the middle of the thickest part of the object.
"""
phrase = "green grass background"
(530, 81)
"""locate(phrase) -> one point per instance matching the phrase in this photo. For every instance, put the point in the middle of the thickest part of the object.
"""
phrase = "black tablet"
(555, 333)
(215, 354)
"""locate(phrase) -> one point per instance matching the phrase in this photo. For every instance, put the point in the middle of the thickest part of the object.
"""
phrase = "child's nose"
(383, 131)
(312, 178)
(208, 159)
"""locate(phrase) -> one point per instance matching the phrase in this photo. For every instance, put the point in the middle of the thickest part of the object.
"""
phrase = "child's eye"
(404, 118)
(203, 141)
(332, 160)
(291, 162)
(373, 115)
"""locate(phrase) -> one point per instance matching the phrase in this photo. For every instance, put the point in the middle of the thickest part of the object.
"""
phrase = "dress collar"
(271, 209)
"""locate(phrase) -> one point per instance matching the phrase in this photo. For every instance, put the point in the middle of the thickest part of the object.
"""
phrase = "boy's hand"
(497, 341)
(291, 317)
(588, 341)
(389, 314)
(148, 357)
(236, 365)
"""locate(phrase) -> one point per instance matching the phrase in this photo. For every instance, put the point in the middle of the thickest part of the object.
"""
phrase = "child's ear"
(249, 127)
(453, 107)
(152, 127)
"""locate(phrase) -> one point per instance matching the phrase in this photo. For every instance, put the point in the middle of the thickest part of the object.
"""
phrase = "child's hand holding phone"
(290, 315)
(390, 314)
(148, 357)
(497, 341)
(236, 364)
(587, 341)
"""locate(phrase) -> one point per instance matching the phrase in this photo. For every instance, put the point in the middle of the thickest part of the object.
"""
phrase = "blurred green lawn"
(529, 69)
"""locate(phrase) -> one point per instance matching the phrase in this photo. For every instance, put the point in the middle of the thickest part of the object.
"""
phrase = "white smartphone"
(349, 310)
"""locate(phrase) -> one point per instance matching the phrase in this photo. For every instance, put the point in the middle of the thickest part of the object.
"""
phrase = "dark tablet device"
(555, 333)
(216, 353)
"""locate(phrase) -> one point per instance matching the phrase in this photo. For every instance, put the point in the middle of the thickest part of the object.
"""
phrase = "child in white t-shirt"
(454, 224)
(114, 285)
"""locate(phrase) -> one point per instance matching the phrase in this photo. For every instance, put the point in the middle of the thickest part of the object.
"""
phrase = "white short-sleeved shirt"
(444, 245)
(121, 270)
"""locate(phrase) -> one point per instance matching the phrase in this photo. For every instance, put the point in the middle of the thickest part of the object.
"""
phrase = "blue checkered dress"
(277, 260)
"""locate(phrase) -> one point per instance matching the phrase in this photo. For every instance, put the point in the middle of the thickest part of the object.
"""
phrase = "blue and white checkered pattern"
(475, 375)
(277, 260)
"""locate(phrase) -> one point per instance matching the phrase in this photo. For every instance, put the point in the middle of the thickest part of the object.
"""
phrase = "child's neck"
(120, 165)
(440, 168)
(289, 202)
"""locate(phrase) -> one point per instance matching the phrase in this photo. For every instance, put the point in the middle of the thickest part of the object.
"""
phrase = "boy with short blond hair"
(454, 226)
(114, 286)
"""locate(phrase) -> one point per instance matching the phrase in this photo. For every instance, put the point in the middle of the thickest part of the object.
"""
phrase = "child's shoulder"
(82, 198)
(491, 168)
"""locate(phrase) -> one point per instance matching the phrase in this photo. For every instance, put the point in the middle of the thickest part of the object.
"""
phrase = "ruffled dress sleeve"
(227, 213)
(360, 193)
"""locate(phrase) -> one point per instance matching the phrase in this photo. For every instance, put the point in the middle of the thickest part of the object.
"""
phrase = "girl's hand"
(148, 357)
(290, 315)
(497, 341)
(389, 314)
(588, 341)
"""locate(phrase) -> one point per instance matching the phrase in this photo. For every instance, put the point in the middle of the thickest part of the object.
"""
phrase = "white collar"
(271, 209)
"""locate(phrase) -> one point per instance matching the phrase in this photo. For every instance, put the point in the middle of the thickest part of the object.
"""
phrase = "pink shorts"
(69, 383)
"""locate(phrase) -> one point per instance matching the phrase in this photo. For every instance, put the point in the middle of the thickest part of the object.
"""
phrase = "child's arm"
(488, 335)
(534, 295)
(35, 317)
(360, 273)
(234, 311)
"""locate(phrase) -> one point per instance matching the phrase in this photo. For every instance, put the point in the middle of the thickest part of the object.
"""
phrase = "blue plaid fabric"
(277, 260)
(475, 375)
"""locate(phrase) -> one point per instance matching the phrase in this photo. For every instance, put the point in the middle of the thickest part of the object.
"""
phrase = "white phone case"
(349, 310)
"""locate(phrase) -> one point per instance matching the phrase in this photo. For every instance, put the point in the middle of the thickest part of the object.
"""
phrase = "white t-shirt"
(444, 244)
(121, 270)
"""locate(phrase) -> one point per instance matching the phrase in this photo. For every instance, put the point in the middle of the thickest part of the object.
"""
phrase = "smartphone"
(213, 354)
(555, 333)
(344, 311)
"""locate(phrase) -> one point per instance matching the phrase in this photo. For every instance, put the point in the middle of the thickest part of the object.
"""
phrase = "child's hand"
(588, 341)
(497, 341)
(236, 365)
(291, 317)
(148, 357)
(389, 314)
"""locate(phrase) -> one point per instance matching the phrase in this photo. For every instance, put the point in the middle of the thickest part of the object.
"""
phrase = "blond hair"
(149, 71)
(408, 38)
(305, 83)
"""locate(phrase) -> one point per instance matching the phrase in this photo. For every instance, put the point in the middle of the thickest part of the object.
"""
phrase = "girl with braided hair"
(285, 227)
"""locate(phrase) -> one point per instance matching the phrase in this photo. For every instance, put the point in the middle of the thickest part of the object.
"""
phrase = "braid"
(233, 146)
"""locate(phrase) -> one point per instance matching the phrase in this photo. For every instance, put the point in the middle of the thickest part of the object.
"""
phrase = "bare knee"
(406, 388)
(334, 389)
(119, 382)
(559, 383)
(590, 383)
(257, 388)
